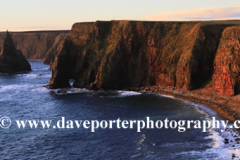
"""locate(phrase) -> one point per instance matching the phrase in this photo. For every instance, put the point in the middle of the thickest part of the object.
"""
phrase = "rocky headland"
(57, 45)
(12, 60)
(183, 56)
(34, 44)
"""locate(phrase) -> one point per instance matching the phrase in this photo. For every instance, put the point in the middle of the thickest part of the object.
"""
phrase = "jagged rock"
(33, 44)
(12, 60)
(123, 54)
(52, 52)
(62, 91)
(227, 62)
(61, 72)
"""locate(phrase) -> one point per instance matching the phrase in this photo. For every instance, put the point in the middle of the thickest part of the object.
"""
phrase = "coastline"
(226, 106)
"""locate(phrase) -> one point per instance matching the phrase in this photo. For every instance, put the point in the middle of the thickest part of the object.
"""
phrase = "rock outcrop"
(57, 45)
(227, 62)
(34, 44)
(123, 54)
(12, 60)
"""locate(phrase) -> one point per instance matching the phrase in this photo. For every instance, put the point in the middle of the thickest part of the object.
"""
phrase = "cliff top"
(41, 31)
(197, 21)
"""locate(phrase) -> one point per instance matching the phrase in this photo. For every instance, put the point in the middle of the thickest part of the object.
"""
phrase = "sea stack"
(12, 60)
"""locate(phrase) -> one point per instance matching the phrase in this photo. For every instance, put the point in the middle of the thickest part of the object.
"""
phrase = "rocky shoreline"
(199, 60)
(226, 106)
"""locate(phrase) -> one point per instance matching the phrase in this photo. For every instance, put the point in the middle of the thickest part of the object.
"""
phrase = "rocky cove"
(186, 56)
(25, 97)
(194, 61)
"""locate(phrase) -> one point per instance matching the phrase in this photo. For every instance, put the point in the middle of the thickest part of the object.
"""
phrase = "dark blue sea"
(24, 97)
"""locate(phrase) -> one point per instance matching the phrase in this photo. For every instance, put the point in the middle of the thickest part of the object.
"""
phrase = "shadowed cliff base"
(57, 45)
(12, 60)
(123, 54)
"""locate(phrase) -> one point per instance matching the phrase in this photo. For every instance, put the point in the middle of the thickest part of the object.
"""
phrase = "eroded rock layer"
(227, 62)
(57, 45)
(123, 54)
(34, 44)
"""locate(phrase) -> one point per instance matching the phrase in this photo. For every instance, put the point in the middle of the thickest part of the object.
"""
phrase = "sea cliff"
(57, 45)
(33, 44)
(124, 54)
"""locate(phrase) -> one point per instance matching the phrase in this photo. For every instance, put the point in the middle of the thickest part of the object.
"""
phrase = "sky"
(28, 15)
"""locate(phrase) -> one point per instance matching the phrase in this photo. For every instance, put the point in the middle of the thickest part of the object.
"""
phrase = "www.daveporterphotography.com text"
(139, 125)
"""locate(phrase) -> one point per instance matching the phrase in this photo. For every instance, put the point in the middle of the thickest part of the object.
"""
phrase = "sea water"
(24, 97)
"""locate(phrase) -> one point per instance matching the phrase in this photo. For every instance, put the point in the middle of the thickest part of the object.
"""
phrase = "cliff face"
(122, 54)
(57, 45)
(33, 44)
(12, 60)
(227, 62)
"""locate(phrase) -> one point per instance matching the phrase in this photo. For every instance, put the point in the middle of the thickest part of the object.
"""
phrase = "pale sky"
(26, 15)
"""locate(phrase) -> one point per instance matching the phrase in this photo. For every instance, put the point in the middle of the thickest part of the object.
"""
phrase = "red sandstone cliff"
(227, 62)
(123, 54)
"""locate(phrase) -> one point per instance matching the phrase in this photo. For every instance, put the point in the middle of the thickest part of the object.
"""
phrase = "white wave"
(14, 87)
(167, 96)
(29, 75)
(65, 91)
(78, 90)
(102, 94)
(218, 147)
(128, 93)
(37, 75)
(34, 75)
(23, 87)
(40, 69)
(217, 150)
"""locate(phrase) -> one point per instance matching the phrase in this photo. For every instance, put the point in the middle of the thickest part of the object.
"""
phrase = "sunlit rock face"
(227, 62)
(57, 45)
(123, 54)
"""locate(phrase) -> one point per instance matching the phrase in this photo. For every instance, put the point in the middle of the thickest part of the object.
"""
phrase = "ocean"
(24, 97)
